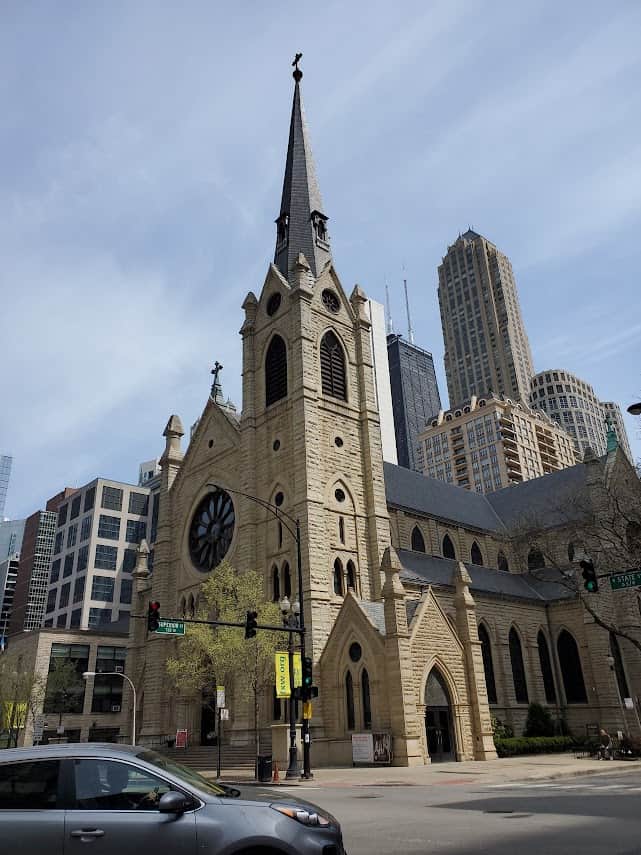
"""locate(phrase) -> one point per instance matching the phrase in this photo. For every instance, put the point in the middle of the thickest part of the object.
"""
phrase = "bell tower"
(310, 434)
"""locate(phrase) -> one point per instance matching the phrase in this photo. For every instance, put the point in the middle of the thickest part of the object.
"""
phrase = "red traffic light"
(153, 616)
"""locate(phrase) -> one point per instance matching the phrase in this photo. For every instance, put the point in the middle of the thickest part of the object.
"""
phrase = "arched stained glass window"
(488, 665)
(546, 668)
(535, 559)
(476, 555)
(502, 562)
(367, 708)
(332, 362)
(287, 580)
(338, 577)
(275, 585)
(349, 701)
(518, 668)
(448, 547)
(619, 670)
(351, 575)
(418, 542)
(571, 670)
(275, 371)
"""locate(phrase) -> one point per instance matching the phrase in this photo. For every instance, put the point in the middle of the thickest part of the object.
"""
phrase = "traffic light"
(153, 616)
(251, 624)
(590, 581)
(307, 672)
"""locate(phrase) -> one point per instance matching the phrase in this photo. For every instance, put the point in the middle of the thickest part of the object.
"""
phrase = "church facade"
(422, 618)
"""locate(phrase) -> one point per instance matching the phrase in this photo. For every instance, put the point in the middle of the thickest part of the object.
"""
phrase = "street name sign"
(171, 627)
(625, 580)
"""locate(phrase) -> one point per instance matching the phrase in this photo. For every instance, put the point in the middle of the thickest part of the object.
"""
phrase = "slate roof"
(422, 569)
(544, 501)
(375, 612)
(413, 491)
(301, 197)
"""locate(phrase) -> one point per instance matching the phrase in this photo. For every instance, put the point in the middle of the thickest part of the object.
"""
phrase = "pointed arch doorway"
(439, 726)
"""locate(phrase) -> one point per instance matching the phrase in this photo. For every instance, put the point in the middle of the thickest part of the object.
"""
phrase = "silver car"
(125, 800)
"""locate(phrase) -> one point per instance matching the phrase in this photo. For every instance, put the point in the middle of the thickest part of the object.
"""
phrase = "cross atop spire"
(301, 225)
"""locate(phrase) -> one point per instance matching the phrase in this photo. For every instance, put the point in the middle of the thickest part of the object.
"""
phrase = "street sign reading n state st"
(171, 627)
(625, 580)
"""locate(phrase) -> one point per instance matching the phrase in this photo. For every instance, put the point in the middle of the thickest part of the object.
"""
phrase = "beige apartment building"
(490, 443)
(486, 345)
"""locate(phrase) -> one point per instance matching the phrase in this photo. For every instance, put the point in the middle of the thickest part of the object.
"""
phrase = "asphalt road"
(589, 815)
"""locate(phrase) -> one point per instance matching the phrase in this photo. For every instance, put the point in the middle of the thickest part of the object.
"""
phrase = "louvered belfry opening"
(275, 371)
(332, 361)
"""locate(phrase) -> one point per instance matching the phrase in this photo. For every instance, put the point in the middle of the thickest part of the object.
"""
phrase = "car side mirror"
(173, 802)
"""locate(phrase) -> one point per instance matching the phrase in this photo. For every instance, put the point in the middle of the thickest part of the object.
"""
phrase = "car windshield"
(188, 775)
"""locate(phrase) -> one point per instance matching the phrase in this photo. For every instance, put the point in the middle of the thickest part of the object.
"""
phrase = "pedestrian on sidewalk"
(605, 749)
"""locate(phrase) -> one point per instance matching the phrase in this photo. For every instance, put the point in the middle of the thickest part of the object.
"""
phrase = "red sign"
(181, 738)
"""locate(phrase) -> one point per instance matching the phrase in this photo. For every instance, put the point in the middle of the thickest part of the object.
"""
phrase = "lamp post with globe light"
(291, 613)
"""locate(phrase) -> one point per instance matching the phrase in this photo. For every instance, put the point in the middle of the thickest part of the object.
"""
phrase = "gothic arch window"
(448, 547)
(488, 665)
(418, 542)
(633, 538)
(502, 562)
(571, 671)
(349, 701)
(338, 577)
(192, 606)
(280, 534)
(351, 575)
(476, 555)
(518, 667)
(332, 362)
(183, 608)
(367, 706)
(275, 584)
(535, 559)
(619, 670)
(546, 668)
(275, 371)
(287, 580)
(571, 552)
(341, 529)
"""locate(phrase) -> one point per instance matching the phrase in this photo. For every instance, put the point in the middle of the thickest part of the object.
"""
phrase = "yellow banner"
(298, 670)
(281, 661)
(11, 718)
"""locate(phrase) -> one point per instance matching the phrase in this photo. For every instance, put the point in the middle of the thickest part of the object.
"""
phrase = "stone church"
(423, 616)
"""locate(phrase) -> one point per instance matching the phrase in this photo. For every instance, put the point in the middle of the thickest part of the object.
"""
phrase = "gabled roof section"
(300, 226)
(548, 501)
(422, 569)
(415, 492)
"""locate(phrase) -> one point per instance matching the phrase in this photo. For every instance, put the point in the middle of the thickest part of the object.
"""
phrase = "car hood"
(265, 796)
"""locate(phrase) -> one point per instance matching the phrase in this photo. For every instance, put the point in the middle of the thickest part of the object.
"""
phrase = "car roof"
(70, 749)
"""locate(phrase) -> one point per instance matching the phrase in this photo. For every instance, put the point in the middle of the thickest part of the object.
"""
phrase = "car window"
(183, 772)
(103, 784)
(29, 785)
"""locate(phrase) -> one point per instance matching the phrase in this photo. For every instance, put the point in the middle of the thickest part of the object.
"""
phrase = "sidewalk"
(540, 767)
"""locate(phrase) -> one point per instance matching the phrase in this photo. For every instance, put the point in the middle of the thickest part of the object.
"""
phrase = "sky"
(142, 149)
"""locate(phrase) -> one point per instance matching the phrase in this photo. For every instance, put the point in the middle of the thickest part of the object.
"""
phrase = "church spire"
(301, 225)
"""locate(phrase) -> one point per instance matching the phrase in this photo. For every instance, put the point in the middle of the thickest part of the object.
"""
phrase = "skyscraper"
(415, 397)
(5, 474)
(486, 346)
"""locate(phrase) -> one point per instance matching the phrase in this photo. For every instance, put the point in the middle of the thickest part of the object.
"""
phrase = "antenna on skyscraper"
(390, 322)
(410, 331)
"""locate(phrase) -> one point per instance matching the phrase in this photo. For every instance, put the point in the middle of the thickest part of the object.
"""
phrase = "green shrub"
(539, 721)
(533, 745)
(500, 730)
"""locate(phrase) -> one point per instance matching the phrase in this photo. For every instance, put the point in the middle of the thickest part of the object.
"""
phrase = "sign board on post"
(181, 738)
(38, 728)
(629, 703)
(224, 713)
(171, 627)
(625, 580)
(220, 696)
(282, 675)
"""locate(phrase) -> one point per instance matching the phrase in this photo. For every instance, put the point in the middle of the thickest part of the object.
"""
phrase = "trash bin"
(264, 768)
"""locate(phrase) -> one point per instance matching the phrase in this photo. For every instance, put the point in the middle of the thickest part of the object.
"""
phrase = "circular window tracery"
(339, 494)
(330, 301)
(211, 530)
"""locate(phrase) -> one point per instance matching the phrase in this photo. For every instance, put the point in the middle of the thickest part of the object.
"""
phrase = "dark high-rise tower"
(415, 397)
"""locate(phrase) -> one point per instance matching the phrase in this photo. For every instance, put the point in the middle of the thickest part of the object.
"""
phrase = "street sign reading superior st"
(171, 627)
(625, 580)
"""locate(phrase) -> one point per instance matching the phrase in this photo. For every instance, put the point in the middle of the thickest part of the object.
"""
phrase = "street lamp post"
(88, 674)
(281, 516)
(610, 660)
(290, 613)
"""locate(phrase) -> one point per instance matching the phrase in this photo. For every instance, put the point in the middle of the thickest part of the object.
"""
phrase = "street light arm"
(133, 690)
(278, 513)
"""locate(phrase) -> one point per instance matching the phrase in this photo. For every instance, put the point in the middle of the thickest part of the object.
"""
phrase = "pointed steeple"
(301, 225)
